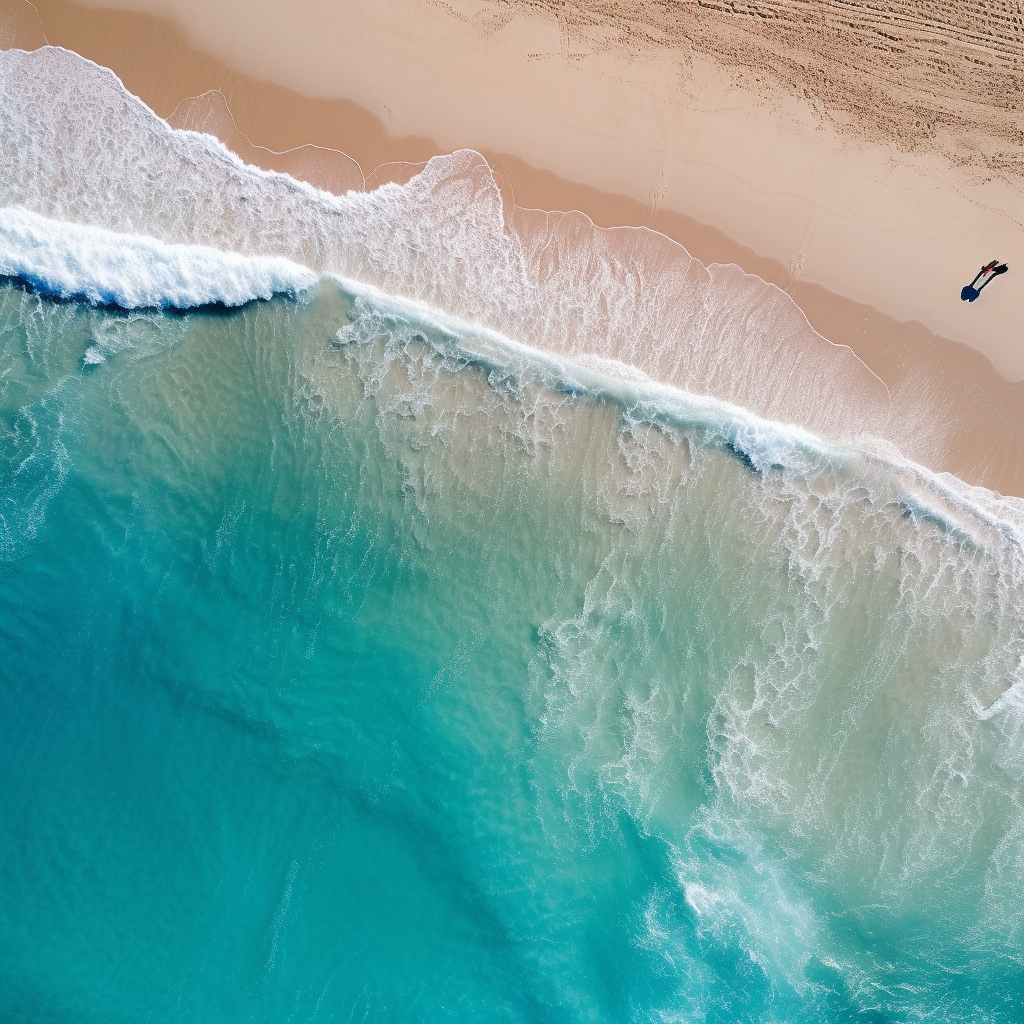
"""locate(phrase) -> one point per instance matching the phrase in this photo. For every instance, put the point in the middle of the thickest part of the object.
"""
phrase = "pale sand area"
(673, 126)
(930, 378)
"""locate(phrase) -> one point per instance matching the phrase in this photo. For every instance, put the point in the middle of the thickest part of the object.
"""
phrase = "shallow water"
(378, 676)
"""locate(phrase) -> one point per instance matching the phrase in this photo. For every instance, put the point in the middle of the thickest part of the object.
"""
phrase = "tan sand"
(978, 415)
(729, 125)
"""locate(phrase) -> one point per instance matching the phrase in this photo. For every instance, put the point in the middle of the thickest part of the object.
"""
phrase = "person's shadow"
(987, 273)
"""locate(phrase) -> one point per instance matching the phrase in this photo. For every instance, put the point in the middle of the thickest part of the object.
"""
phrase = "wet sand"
(951, 409)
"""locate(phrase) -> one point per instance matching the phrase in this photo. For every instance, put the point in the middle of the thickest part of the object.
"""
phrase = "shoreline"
(927, 376)
(897, 219)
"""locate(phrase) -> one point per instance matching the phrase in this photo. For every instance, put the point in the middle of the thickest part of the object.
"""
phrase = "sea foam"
(74, 261)
(76, 145)
(79, 147)
(67, 260)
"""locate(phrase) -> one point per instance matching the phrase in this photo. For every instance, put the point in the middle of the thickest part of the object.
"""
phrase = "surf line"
(765, 444)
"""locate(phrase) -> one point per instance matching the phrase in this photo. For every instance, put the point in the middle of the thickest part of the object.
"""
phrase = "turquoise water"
(363, 679)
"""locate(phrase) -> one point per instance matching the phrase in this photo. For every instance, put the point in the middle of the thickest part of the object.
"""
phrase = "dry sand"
(978, 415)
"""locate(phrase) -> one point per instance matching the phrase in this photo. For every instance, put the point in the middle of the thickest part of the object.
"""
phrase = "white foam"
(107, 268)
(77, 146)
(1009, 702)
(69, 260)
(969, 513)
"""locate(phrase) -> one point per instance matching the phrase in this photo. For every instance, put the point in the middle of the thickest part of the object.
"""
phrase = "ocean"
(399, 624)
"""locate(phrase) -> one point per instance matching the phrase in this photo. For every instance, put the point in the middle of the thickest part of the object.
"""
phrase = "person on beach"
(986, 274)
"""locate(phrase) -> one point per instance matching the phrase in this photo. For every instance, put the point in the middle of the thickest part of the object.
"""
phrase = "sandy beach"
(504, 514)
(870, 237)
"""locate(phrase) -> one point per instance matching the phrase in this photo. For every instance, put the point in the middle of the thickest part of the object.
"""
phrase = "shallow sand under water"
(951, 410)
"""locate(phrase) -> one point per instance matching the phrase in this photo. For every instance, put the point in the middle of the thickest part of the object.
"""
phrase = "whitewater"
(415, 611)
